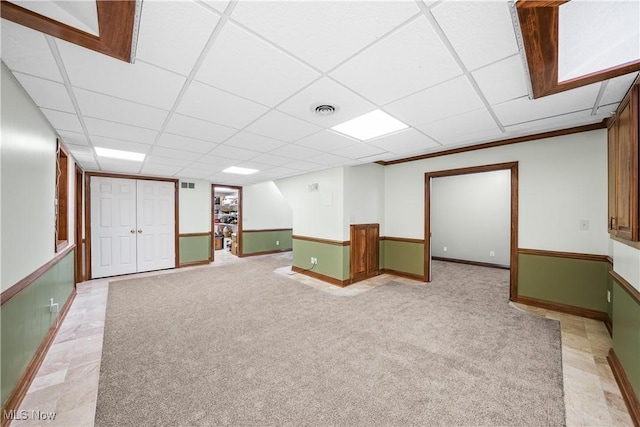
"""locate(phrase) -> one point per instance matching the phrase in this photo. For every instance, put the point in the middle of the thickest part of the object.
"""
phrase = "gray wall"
(470, 216)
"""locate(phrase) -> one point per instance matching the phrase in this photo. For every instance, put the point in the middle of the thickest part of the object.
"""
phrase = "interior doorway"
(226, 217)
(513, 244)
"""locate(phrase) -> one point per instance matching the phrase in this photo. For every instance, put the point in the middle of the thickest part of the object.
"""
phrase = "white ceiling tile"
(211, 104)
(184, 143)
(252, 141)
(481, 32)
(323, 34)
(461, 125)
(208, 161)
(63, 121)
(608, 109)
(175, 154)
(219, 5)
(617, 88)
(525, 110)
(409, 140)
(158, 161)
(262, 73)
(27, 51)
(80, 150)
(117, 144)
(139, 82)
(166, 171)
(198, 129)
(399, 65)
(173, 33)
(360, 150)
(88, 165)
(549, 123)
(447, 99)
(271, 160)
(105, 107)
(327, 141)
(123, 166)
(193, 173)
(326, 91)
(233, 153)
(296, 152)
(474, 138)
(97, 127)
(73, 138)
(282, 126)
(46, 93)
(328, 159)
(254, 165)
(304, 166)
(502, 81)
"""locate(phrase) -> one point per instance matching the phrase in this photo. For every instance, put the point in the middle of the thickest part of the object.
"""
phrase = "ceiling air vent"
(325, 110)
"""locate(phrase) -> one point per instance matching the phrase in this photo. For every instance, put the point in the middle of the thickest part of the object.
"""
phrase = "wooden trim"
(79, 173)
(562, 308)
(319, 276)
(402, 239)
(608, 322)
(417, 277)
(268, 229)
(500, 143)
(477, 263)
(116, 20)
(194, 263)
(633, 292)
(626, 389)
(610, 260)
(539, 24)
(513, 250)
(275, 251)
(26, 281)
(570, 255)
(203, 234)
(87, 206)
(22, 386)
(323, 241)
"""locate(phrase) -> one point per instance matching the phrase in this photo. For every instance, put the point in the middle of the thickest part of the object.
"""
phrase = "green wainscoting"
(333, 259)
(576, 282)
(405, 257)
(626, 334)
(262, 241)
(194, 249)
(26, 319)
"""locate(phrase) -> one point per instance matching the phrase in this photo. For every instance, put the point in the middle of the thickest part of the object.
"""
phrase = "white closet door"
(156, 225)
(113, 226)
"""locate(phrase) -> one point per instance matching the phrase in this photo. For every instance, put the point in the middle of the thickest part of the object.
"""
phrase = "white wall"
(319, 213)
(363, 196)
(28, 159)
(471, 216)
(264, 207)
(561, 181)
(195, 207)
(626, 262)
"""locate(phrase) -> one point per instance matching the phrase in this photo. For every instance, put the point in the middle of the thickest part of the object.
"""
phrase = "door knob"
(139, 230)
(133, 231)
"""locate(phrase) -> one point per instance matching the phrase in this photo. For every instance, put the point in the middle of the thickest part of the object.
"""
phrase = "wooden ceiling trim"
(115, 22)
(539, 27)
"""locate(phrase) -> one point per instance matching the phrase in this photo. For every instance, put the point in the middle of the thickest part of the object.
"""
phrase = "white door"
(132, 226)
(113, 226)
(156, 225)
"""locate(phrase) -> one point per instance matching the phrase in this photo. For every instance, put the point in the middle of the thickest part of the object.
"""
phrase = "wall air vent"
(188, 185)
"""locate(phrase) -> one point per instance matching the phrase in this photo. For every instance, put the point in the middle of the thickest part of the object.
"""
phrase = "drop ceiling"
(217, 84)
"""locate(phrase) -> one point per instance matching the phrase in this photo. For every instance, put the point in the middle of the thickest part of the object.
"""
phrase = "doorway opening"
(513, 241)
(226, 220)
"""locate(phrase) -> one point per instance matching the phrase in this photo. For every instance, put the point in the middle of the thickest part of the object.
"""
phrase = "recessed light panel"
(240, 171)
(119, 154)
(371, 125)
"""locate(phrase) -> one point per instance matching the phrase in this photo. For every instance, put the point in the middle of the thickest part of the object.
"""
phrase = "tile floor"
(67, 382)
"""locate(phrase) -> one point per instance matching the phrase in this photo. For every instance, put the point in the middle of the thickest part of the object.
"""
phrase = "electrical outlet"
(314, 260)
(277, 242)
(492, 253)
(608, 296)
(444, 249)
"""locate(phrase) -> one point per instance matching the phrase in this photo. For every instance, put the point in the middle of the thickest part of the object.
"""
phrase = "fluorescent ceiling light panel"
(240, 171)
(119, 154)
(371, 125)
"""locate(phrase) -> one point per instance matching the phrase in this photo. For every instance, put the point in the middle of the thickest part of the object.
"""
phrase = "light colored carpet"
(241, 345)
